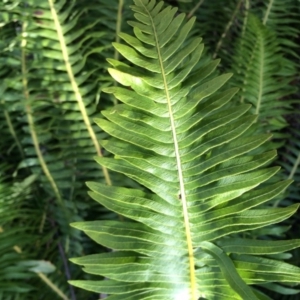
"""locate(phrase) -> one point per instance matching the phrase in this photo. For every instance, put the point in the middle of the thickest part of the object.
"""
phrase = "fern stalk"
(195, 8)
(13, 133)
(295, 167)
(76, 87)
(52, 286)
(182, 193)
(247, 8)
(34, 136)
(118, 26)
(117, 40)
(261, 79)
(266, 16)
(67, 269)
(227, 28)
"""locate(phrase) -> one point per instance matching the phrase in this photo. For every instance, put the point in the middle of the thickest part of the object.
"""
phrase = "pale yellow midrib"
(53, 286)
(13, 132)
(194, 294)
(261, 77)
(266, 17)
(295, 167)
(31, 125)
(75, 87)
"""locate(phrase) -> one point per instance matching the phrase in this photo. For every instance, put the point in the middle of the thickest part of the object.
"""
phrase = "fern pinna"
(177, 134)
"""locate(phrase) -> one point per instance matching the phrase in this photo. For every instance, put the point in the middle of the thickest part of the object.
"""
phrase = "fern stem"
(228, 26)
(266, 17)
(52, 286)
(43, 221)
(67, 269)
(193, 10)
(118, 26)
(245, 21)
(40, 156)
(247, 8)
(118, 30)
(295, 167)
(34, 136)
(291, 175)
(194, 292)
(75, 86)
(261, 78)
(13, 133)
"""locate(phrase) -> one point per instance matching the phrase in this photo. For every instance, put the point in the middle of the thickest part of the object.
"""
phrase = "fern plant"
(259, 66)
(40, 96)
(19, 241)
(177, 133)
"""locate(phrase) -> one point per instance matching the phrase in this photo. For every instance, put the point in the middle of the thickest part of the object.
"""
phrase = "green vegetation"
(141, 146)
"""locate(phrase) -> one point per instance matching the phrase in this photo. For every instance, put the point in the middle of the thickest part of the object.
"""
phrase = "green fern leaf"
(259, 66)
(177, 134)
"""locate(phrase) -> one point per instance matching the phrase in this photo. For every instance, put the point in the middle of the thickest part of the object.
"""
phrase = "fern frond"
(291, 163)
(283, 19)
(68, 54)
(219, 23)
(177, 134)
(38, 101)
(258, 66)
(17, 237)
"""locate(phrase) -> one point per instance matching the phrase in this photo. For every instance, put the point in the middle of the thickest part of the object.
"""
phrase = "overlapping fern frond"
(19, 239)
(178, 135)
(219, 22)
(49, 91)
(71, 86)
(291, 164)
(283, 19)
(258, 65)
(57, 85)
(289, 159)
(214, 19)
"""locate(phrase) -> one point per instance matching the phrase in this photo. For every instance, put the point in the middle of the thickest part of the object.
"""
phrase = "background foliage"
(53, 67)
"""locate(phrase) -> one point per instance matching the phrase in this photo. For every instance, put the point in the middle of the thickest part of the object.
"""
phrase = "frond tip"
(177, 134)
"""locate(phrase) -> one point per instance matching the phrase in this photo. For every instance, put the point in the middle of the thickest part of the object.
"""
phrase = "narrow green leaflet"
(257, 247)
(229, 271)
